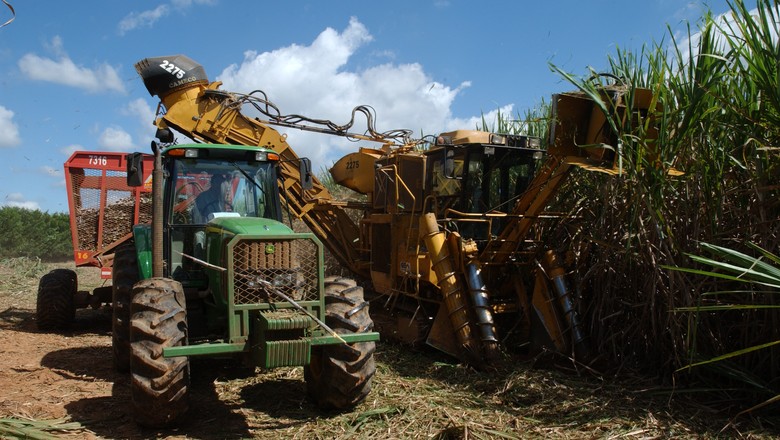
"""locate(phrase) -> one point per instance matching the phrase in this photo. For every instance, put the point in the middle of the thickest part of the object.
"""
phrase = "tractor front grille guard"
(263, 268)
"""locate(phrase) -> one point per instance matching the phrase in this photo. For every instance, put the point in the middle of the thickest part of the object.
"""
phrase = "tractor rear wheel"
(55, 308)
(159, 385)
(339, 376)
(124, 275)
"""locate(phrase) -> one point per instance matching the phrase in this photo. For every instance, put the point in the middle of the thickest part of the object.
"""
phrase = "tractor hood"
(246, 226)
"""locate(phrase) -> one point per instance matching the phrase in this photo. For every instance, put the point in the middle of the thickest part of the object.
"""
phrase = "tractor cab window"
(201, 190)
(206, 189)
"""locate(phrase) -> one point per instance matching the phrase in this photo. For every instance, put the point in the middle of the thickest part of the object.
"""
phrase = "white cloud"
(145, 114)
(474, 122)
(725, 28)
(63, 70)
(188, 3)
(17, 200)
(56, 46)
(70, 149)
(115, 139)
(689, 11)
(315, 81)
(141, 109)
(148, 18)
(9, 131)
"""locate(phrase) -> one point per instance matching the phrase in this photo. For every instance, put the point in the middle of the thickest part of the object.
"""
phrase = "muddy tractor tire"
(55, 308)
(124, 275)
(159, 386)
(339, 376)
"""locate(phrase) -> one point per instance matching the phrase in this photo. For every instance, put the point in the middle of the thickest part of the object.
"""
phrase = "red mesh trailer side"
(102, 207)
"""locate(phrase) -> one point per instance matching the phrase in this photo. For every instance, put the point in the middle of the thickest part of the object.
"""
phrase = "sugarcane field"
(262, 256)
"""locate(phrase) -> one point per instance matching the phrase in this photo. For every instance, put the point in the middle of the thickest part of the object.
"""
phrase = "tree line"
(35, 234)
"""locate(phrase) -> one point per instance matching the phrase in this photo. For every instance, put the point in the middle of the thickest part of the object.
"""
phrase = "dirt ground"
(69, 377)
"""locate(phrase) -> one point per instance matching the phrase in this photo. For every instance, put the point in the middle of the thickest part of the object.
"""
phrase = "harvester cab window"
(443, 185)
(495, 177)
(446, 178)
(474, 186)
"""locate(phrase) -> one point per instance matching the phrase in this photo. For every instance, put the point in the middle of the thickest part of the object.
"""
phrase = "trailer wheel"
(339, 376)
(55, 308)
(124, 275)
(159, 385)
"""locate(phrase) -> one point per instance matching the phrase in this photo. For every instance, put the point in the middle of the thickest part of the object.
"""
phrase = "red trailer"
(103, 210)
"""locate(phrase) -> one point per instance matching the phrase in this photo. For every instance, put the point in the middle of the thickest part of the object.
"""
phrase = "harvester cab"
(479, 172)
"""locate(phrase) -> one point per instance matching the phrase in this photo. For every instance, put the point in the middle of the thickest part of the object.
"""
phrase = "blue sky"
(68, 81)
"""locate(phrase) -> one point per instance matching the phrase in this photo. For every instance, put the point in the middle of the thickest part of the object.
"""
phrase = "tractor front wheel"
(55, 308)
(124, 275)
(339, 376)
(159, 385)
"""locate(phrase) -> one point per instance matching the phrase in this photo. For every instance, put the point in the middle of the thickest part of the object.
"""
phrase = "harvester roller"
(451, 288)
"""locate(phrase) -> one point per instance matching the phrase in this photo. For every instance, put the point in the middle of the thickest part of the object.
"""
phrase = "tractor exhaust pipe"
(157, 213)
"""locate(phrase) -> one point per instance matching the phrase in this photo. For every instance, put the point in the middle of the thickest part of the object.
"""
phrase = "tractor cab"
(212, 191)
(212, 185)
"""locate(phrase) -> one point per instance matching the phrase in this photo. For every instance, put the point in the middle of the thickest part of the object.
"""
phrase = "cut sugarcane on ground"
(64, 385)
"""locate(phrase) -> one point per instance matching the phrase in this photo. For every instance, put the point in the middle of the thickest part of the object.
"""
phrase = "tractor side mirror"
(306, 176)
(135, 169)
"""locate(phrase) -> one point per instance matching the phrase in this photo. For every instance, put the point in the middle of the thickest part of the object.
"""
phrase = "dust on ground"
(69, 377)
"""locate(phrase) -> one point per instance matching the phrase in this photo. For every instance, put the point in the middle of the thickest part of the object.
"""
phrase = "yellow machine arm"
(578, 122)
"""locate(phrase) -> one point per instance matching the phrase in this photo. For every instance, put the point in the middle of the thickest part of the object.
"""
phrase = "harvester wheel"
(124, 275)
(159, 385)
(339, 376)
(55, 308)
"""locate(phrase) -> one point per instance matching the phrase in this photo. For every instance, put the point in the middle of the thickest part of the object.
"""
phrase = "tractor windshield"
(207, 189)
(200, 190)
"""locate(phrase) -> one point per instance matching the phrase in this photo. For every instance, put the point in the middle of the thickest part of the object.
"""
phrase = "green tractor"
(217, 273)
